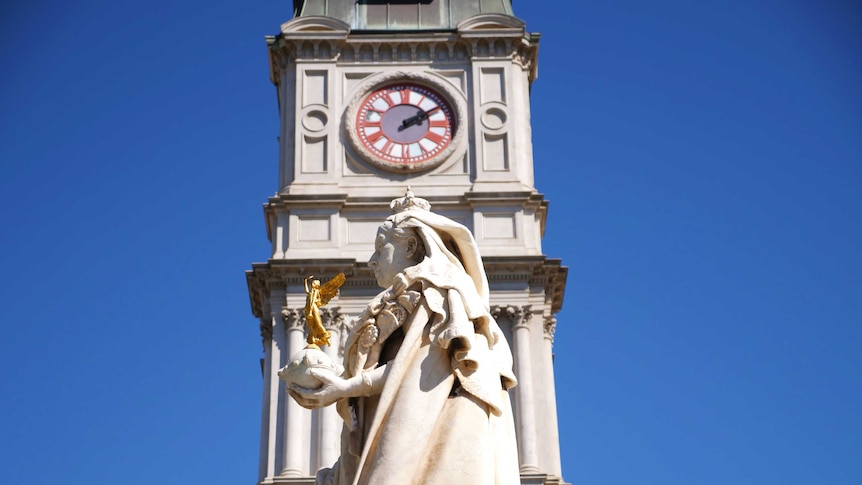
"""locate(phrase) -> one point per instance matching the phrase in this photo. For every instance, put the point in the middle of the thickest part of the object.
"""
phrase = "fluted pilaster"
(549, 422)
(275, 348)
(329, 435)
(520, 317)
(295, 449)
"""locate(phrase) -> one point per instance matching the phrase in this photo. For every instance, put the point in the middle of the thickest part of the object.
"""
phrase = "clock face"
(405, 124)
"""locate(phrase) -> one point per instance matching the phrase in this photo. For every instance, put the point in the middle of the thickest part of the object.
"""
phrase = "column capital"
(293, 318)
(331, 318)
(518, 315)
(550, 327)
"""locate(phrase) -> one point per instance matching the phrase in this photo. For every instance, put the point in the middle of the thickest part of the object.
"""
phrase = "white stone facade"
(330, 201)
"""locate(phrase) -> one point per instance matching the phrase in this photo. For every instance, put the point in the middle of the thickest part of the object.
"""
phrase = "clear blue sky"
(704, 166)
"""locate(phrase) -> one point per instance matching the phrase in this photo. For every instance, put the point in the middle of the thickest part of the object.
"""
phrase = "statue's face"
(391, 256)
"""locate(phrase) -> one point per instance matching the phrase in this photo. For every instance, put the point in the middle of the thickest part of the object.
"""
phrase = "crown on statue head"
(409, 201)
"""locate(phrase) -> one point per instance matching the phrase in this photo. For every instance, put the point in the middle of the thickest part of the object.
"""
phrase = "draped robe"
(443, 416)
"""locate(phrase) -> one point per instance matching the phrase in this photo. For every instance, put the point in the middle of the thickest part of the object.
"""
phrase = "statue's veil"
(446, 242)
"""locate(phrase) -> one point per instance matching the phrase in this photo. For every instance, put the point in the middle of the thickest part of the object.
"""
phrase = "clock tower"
(373, 97)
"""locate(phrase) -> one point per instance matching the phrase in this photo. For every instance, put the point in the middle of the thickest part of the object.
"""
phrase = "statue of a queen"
(424, 391)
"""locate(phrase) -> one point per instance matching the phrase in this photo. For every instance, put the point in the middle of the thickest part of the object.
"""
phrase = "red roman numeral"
(434, 137)
(374, 136)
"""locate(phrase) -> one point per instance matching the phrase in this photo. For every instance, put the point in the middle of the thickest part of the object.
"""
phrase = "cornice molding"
(539, 271)
(527, 199)
(277, 274)
(302, 43)
(338, 201)
(305, 201)
(284, 202)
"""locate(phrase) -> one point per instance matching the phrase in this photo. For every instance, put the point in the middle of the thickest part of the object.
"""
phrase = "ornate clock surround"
(456, 100)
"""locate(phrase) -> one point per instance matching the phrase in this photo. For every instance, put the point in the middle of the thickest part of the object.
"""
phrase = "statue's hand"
(333, 389)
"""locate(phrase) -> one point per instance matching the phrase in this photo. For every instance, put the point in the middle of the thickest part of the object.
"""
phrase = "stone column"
(275, 346)
(527, 444)
(294, 420)
(329, 434)
(550, 430)
(266, 438)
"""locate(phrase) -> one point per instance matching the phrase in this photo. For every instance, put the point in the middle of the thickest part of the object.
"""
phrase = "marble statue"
(423, 393)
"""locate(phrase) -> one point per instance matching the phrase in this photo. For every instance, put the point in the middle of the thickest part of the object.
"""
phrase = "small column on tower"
(275, 348)
(295, 416)
(551, 450)
(525, 397)
(329, 435)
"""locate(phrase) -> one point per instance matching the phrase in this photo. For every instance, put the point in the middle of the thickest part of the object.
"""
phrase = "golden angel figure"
(319, 296)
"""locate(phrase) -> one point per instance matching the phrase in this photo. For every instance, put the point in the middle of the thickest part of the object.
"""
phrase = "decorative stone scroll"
(265, 330)
(332, 318)
(550, 327)
(518, 315)
(292, 317)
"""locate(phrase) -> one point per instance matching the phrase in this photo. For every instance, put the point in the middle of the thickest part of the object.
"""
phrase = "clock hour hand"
(419, 117)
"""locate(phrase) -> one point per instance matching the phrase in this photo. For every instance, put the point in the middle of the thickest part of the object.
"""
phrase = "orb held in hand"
(297, 370)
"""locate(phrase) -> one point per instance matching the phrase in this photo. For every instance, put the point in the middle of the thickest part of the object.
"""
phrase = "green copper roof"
(400, 14)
